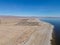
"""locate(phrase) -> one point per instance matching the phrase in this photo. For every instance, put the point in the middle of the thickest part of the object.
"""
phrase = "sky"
(30, 8)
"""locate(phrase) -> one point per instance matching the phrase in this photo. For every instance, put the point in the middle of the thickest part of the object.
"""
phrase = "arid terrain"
(24, 31)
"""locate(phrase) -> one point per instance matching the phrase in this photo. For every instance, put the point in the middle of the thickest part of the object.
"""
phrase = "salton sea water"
(56, 23)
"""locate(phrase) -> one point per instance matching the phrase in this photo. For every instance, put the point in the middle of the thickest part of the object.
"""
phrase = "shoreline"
(53, 41)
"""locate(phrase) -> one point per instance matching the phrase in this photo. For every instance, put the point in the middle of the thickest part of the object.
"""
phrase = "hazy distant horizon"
(30, 16)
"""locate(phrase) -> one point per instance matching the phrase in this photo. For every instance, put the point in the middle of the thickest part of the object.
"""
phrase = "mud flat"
(25, 31)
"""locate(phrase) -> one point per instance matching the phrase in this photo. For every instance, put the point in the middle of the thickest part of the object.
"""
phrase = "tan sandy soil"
(32, 32)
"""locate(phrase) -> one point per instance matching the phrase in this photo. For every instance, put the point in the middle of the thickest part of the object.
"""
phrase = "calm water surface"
(56, 23)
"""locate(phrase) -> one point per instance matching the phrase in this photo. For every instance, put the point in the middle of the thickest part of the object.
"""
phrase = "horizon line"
(30, 16)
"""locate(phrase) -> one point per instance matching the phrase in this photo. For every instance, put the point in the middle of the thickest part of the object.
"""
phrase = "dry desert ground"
(24, 31)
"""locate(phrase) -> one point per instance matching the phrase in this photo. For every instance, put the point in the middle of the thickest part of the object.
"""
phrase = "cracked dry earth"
(25, 34)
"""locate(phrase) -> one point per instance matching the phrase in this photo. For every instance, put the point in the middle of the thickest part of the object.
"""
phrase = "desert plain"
(24, 31)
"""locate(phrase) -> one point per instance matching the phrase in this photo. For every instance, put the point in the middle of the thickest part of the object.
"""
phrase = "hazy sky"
(30, 7)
